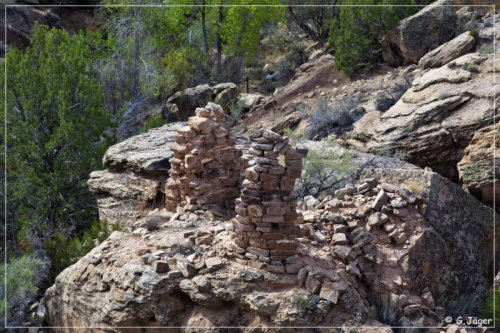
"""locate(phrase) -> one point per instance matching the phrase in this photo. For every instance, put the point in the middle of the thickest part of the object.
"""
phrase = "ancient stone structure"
(266, 221)
(205, 165)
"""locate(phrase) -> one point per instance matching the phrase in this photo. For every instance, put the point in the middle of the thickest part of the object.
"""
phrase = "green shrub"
(327, 119)
(492, 303)
(294, 137)
(177, 67)
(236, 110)
(313, 21)
(301, 299)
(355, 34)
(153, 121)
(64, 251)
(323, 171)
(22, 281)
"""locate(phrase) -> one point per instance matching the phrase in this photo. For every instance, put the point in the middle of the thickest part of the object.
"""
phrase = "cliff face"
(402, 248)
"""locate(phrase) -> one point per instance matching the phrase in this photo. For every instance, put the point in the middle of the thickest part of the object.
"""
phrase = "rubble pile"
(368, 230)
(205, 165)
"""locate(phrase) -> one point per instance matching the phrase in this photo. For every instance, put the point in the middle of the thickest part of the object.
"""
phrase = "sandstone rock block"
(448, 51)
(329, 292)
(380, 199)
(312, 285)
(160, 266)
(406, 44)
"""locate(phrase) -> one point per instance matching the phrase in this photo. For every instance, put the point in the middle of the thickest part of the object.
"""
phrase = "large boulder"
(488, 32)
(479, 168)
(453, 255)
(416, 35)
(436, 118)
(449, 51)
(138, 113)
(124, 197)
(249, 101)
(189, 99)
(144, 153)
(22, 18)
(137, 170)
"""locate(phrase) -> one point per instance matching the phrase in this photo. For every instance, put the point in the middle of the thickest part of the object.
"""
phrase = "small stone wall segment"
(205, 165)
(266, 220)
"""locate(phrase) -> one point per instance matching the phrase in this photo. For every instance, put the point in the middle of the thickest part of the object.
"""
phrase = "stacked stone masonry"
(266, 223)
(205, 165)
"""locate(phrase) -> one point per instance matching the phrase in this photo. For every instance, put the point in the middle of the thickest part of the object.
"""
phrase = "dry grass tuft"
(415, 187)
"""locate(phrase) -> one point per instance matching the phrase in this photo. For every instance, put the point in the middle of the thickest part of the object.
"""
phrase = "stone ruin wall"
(267, 218)
(205, 166)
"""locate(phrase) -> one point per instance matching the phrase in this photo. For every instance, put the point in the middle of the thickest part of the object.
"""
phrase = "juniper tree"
(56, 127)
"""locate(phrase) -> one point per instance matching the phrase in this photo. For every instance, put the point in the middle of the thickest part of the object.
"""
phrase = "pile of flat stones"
(266, 224)
(369, 230)
(205, 166)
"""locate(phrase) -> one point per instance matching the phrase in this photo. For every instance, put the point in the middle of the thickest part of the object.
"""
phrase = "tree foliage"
(323, 172)
(491, 306)
(56, 127)
(167, 48)
(355, 33)
(314, 21)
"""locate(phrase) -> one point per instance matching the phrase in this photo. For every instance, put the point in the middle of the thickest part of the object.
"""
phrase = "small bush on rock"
(64, 251)
(236, 110)
(24, 274)
(415, 187)
(153, 121)
(324, 171)
(328, 119)
(492, 303)
(153, 223)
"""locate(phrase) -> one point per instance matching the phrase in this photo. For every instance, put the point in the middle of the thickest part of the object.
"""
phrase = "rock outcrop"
(22, 18)
(435, 119)
(402, 247)
(188, 100)
(134, 181)
(416, 35)
(449, 51)
(479, 168)
(488, 32)
(20, 21)
(249, 101)
(138, 113)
